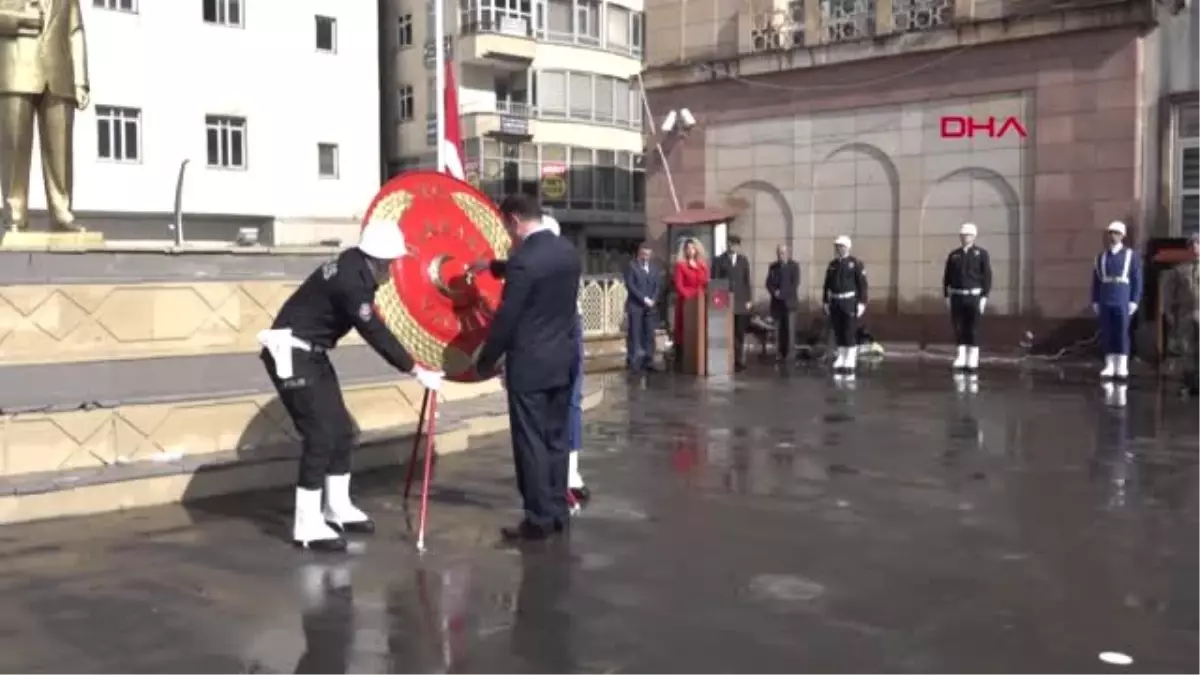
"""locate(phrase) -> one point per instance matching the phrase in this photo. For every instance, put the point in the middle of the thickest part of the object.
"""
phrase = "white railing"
(602, 301)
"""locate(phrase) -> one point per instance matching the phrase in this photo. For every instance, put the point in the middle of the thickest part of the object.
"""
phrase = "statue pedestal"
(51, 240)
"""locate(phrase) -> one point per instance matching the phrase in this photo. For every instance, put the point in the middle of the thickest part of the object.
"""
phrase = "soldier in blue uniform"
(1116, 292)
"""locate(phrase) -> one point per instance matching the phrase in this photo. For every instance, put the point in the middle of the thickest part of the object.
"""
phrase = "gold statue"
(43, 75)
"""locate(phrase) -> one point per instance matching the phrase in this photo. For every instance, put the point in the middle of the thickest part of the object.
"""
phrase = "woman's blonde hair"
(682, 257)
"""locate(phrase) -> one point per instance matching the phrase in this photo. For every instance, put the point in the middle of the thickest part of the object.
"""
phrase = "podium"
(707, 348)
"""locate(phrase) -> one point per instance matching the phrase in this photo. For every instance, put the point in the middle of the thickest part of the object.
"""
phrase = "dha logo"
(953, 126)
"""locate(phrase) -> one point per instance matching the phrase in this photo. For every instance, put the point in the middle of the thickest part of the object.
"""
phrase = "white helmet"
(1117, 226)
(842, 241)
(968, 228)
(551, 224)
(382, 239)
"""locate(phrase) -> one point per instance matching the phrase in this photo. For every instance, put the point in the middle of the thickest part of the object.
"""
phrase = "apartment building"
(895, 121)
(273, 105)
(548, 101)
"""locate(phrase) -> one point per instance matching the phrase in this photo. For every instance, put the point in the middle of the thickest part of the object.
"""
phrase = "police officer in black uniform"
(336, 297)
(966, 282)
(845, 300)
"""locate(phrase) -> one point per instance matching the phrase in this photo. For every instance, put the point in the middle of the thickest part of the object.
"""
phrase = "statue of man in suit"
(43, 77)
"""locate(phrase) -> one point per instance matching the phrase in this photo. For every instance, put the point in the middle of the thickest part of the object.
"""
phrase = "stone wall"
(806, 154)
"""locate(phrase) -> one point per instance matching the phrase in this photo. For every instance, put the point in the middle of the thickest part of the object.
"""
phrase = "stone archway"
(743, 198)
(888, 209)
(999, 220)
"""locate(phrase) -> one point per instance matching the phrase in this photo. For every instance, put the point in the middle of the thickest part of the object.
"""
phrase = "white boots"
(309, 529)
(574, 478)
(967, 358)
(846, 361)
(340, 512)
(1115, 365)
(313, 527)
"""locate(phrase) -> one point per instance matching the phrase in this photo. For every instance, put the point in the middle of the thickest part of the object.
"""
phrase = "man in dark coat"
(733, 266)
(643, 289)
(534, 330)
(783, 284)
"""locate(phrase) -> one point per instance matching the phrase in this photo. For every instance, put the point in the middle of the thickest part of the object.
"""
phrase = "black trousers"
(538, 424)
(741, 322)
(639, 338)
(785, 329)
(843, 317)
(964, 315)
(313, 399)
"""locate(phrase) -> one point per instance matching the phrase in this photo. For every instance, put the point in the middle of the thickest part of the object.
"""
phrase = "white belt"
(966, 291)
(843, 296)
(1114, 280)
(280, 342)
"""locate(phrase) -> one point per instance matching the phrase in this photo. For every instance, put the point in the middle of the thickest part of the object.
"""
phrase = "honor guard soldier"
(337, 296)
(966, 282)
(1182, 311)
(845, 300)
(1116, 292)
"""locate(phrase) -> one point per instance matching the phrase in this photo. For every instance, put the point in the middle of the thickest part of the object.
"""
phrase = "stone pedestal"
(51, 240)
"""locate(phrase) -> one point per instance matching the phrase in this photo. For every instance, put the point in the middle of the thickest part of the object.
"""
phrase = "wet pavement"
(765, 524)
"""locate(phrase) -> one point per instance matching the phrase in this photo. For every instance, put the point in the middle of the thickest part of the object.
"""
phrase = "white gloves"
(1132, 307)
(431, 380)
(1095, 308)
(982, 305)
(861, 308)
(825, 308)
(947, 303)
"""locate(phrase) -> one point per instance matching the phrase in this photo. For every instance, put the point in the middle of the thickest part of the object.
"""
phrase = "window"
(621, 100)
(587, 21)
(326, 34)
(636, 37)
(559, 19)
(639, 181)
(118, 133)
(405, 106)
(581, 174)
(226, 141)
(224, 12)
(606, 183)
(552, 93)
(580, 97)
(1189, 187)
(604, 98)
(116, 5)
(618, 27)
(624, 189)
(327, 160)
(404, 31)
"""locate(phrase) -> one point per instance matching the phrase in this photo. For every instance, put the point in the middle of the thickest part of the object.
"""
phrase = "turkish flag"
(453, 141)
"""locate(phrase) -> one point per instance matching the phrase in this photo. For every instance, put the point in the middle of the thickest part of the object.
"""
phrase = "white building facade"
(549, 105)
(274, 104)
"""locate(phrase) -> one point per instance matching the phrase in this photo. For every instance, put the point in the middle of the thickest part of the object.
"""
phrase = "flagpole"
(439, 88)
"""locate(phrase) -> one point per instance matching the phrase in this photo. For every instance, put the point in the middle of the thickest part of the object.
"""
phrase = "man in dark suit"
(783, 283)
(643, 286)
(734, 266)
(534, 330)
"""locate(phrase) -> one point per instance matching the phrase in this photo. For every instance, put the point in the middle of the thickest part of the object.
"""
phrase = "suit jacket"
(54, 59)
(783, 278)
(739, 279)
(534, 328)
(640, 284)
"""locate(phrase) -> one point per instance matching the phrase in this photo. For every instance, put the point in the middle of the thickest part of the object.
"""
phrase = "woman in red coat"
(690, 279)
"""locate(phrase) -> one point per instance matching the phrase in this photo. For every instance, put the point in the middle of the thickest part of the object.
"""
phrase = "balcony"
(504, 42)
(506, 120)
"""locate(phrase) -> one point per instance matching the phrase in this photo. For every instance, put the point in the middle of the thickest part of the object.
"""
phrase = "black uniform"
(845, 289)
(336, 297)
(966, 280)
